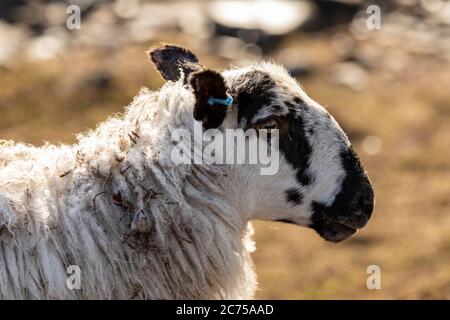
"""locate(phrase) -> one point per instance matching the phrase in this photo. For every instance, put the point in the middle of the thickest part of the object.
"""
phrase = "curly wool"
(114, 205)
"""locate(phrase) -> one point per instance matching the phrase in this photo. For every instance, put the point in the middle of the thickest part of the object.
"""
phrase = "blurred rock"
(55, 13)
(272, 17)
(343, 43)
(250, 35)
(228, 47)
(251, 51)
(140, 30)
(265, 41)
(44, 47)
(100, 79)
(7, 8)
(358, 27)
(431, 6)
(99, 29)
(33, 15)
(372, 145)
(12, 39)
(195, 21)
(396, 60)
(162, 15)
(366, 56)
(126, 9)
(443, 14)
(260, 23)
(350, 74)
(329, 13)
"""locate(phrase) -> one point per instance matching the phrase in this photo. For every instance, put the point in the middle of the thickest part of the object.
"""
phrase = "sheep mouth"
(334, 230)
(329, 230)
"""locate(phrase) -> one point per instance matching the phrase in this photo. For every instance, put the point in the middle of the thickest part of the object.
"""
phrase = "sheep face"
(320, 183)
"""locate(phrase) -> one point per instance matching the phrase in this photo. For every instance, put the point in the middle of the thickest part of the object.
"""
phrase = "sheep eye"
(268, 125)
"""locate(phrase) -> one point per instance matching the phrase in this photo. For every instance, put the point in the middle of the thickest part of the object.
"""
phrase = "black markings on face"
(276, 108)
(294, 196)
(255, 90)
(296, 147)
(355, 183)
(297, 100)
(290, 105)
(252, 91)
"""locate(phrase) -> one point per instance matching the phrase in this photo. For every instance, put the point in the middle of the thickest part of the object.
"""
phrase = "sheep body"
(113, 204)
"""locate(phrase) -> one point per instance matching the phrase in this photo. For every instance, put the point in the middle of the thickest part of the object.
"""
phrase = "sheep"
(138, 226)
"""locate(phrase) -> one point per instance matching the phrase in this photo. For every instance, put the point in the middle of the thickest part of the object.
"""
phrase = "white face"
(320, 183)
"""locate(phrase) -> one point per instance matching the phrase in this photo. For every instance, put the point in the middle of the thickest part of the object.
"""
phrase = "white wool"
(114, 205)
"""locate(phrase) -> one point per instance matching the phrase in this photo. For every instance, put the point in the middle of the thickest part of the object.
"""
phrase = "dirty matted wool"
(115, 205)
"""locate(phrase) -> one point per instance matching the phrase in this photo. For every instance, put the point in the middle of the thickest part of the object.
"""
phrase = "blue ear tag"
(228, 101)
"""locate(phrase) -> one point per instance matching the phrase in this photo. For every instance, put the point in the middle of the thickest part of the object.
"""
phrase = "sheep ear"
(171, 60)
(208, 83)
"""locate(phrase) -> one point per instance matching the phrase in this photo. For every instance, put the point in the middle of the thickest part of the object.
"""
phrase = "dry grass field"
(408, 112)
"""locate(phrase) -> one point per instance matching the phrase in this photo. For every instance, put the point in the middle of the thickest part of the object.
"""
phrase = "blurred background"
(388, 87)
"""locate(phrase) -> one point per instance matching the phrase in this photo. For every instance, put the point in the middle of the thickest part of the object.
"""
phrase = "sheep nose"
(351, 208)
(365, 203)
(366, 199)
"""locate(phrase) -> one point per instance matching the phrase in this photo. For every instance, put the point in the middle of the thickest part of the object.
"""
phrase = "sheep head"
(320, 184)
